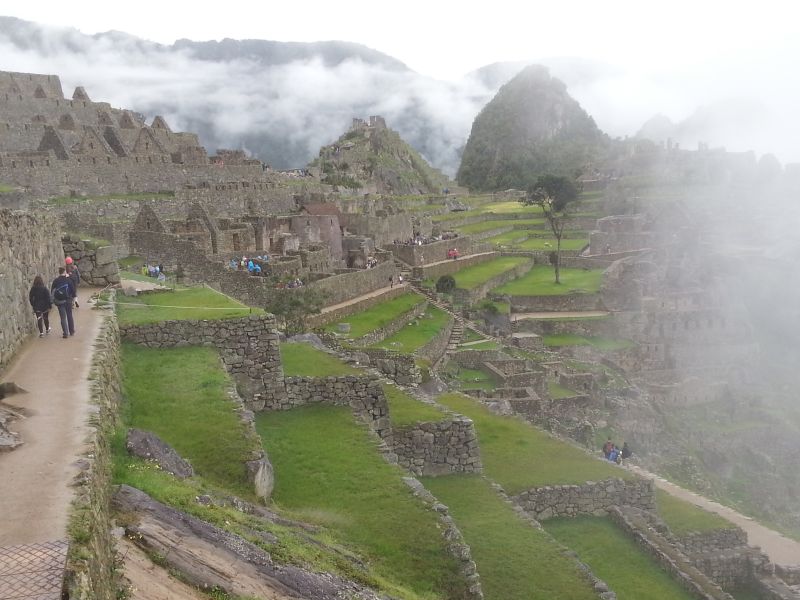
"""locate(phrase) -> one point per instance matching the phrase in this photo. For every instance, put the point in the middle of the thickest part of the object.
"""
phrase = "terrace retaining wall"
(249, 348)
(341, 312)
(562, 303)
(589, 498)
(400, 368)
(381, 333)
(97, 266)
(438, 448)
(449, 267)
(437, 346)
(419, 255)
(471, 296)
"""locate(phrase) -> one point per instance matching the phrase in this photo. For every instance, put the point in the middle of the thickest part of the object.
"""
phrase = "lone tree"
(554, 193)
(294, 305)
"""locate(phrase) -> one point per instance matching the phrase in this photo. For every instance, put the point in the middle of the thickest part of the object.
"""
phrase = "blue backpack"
(61, 293)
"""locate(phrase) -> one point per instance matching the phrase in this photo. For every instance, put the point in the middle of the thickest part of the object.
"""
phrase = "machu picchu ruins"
(359, 378)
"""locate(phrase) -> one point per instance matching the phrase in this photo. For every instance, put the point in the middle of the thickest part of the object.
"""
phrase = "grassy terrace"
(180, 395)
(538, 243)
(407, 410)
(615, 558)
(304, 360)
(515, 560)
(328, 472)
(519, 457)
(472, 277)
(378, 315)
(558, 391)
(601, 343)
(417, 333)
(539, 281)
(489, 225)
(181, 304)
(684, 517)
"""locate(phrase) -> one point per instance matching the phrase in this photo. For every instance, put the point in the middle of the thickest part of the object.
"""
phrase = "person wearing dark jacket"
(39, 297)
(64, 296)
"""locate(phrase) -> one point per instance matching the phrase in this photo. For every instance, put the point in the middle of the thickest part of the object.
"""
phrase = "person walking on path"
(64, 296)
(75, 276)
(39, 297)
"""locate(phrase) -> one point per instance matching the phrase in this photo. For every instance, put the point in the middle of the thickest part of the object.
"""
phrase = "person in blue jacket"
(63, 291)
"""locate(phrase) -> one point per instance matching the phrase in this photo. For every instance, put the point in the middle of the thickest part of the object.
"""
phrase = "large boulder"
(149, 446)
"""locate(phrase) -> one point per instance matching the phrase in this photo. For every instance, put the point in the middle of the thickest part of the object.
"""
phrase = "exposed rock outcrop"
(149, 446)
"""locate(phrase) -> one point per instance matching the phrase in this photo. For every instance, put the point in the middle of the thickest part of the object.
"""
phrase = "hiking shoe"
(65, 336)
(49, 329)
(41, 335)
(72, 333)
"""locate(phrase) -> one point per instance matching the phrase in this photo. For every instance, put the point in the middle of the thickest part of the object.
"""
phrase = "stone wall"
(97, 265)
(675, 563)
(30, 245)
(437, 346)
(381, 333)
(565, 302)
(589, 498)
(471, 296)
(351, 284)
(451, 266)
(249, 348)
(342, 312)
(438, 448)
(91, 560)
(400, 368)
(712, 541)
(363, 394)
(419, 255)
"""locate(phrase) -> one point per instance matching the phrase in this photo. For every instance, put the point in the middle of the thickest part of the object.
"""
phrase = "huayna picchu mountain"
(531, 127)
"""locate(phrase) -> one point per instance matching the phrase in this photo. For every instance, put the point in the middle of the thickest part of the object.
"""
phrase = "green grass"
(570, 339)
(61, 200)
(190, 303)
(683, 517)
(558, 391)
(404, 409)
(130, 262)
(515, 561)
(519, 456)
(4, 189)
(539, 281)
(417, 333)
(474, 379)
(489, 225)
(509, 238)
(472, 277)
(379, 315)
(328, 472)
(180, 395)
(614, 557)
(304, 360)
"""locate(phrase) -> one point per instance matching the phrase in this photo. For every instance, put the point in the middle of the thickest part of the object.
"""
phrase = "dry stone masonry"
(97, 264)
(594, 498)
(438, 448)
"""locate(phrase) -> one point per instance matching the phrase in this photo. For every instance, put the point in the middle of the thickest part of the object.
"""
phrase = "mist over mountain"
(280, 101)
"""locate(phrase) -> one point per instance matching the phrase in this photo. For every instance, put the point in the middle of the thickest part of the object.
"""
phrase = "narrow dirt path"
(373, 294)
(560, 315)
(780, 549)
(150, 582)
(36, 476)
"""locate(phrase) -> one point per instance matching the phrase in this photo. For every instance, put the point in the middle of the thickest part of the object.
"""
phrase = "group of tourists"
(155, 271)
(251, 265)
(453, 253)
(63, 292)
(615, 454)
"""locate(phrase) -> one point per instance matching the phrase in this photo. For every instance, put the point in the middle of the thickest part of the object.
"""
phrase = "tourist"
(257, 270)
(233, 264)
(626, 451)
(613, 456)
(63, 296)
(391, 281)
(75, 276)
(608, 447)
(400, 279)
(40, 300)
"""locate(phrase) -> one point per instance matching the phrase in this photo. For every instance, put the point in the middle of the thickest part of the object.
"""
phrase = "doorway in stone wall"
(237, 244)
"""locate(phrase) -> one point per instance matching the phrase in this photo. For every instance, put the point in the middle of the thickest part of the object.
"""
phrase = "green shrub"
(445, 284)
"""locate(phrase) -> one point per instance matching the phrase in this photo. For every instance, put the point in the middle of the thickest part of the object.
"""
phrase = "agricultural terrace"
(378, 316)
(539, 281)
(472, 277)
(180, 304)
(417, 333)
(180, 394)
(329, 472)
(598, 342)
(405, 410)
(615, 558)
(489, 225)
(683, 517)
(519, 456)
(304, 360)
(516, 561)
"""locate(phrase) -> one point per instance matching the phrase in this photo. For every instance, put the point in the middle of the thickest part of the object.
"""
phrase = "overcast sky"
(446, 38)
(737, 59)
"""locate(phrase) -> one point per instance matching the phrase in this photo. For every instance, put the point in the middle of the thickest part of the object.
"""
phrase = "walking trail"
(559, 315)
(36, 477)
(373, 294)
(780, 549)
